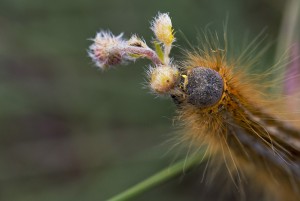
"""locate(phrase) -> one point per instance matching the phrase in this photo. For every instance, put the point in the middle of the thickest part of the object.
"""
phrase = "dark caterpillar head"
(203, 87)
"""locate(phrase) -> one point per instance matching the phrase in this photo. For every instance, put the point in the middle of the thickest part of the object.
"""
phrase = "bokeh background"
(71, 132)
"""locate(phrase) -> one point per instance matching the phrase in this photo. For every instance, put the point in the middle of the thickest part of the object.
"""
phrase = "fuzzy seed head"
(162, 28)
(106, 50)
(163, 79)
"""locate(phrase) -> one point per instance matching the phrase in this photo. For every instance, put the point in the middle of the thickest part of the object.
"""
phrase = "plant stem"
(159, 177)
(144, 52)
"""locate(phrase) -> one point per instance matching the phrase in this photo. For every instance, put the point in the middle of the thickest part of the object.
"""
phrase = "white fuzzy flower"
(106, 50)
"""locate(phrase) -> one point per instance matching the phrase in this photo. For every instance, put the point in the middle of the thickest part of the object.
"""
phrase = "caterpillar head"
(203, 87)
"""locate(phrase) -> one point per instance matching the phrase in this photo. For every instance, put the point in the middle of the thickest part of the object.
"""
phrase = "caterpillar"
(220, 106)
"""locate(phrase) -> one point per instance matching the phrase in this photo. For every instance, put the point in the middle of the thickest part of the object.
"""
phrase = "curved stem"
(144, 52)
(159, 177)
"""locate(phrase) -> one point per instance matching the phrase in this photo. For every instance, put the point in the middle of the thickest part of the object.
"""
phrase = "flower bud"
(162, 28)
(137, 42)
(163, 78)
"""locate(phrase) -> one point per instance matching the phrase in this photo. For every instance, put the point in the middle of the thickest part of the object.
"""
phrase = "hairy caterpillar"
(220, 107)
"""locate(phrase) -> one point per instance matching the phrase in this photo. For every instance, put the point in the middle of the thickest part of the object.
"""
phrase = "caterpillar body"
(243, 127)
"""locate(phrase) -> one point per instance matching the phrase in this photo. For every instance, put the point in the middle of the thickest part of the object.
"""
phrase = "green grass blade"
(290, 28)
(160, 177)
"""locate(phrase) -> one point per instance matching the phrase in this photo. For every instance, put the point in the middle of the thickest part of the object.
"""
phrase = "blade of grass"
(288, 50)
(160, 177)
(290, 28)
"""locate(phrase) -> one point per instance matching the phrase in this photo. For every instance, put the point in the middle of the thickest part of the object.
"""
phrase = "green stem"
(159, 177)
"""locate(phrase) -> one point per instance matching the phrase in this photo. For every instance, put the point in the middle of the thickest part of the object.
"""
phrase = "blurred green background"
(72, 132)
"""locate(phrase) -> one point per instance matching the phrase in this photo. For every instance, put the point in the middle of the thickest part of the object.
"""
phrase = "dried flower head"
(106, 49)
(163, 79)
(162, 28)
